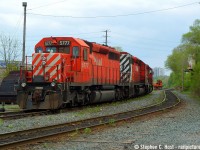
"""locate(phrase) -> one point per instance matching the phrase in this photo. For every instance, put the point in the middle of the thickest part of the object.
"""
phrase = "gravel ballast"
(173, 129)
(88, 112)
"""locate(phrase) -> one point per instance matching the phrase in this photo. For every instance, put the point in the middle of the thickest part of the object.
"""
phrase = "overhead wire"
(18, 25)
(120, 15)
(45, 5)
(144, 38)
(112, 16)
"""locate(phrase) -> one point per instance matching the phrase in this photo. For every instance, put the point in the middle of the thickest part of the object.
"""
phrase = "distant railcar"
(7, 91)
(158, 85)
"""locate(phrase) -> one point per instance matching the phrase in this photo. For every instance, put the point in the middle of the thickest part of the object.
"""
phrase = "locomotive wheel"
(118, 95)
(74, 101)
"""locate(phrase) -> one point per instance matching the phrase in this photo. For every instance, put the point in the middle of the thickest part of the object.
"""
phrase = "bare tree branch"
(9, 49)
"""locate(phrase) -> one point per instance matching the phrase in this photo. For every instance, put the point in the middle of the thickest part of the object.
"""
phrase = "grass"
(87, 130)
(50, 118)
(186, 92)
(46, 145)
(10, 126)
(89, 110)
(11, 107)
(1, 122)
(191, 95)
(112, 122)
(160, 98)
(99, 108)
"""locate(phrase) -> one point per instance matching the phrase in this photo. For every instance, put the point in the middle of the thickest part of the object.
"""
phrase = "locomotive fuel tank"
(102, 96)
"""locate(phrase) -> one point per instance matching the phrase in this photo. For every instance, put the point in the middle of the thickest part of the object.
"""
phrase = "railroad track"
(27, 113)
(23, 137)
(22, 114)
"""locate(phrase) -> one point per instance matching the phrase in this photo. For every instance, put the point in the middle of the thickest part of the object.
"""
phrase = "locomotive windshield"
(38, 50)
(51, 49)
(64, 50)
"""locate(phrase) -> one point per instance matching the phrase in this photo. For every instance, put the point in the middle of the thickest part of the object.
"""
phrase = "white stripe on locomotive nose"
(53, 63)
(47, 68)
(38, 60)
(49, 56)
(37, 64)
(53, 72)
(34, 55)
(38, 70)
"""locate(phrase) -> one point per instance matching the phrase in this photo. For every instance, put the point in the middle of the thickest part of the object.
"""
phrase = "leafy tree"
(193, 36)
(195, 81)
(118, 48)
(178, 60)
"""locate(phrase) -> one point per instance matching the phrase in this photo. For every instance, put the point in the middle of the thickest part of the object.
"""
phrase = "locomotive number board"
(64, 43)
(61, 43)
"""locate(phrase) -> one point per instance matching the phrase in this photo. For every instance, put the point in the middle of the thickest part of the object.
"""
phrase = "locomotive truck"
(71, 71)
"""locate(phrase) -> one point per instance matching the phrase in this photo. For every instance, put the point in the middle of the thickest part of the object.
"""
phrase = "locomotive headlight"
(53, 84)
(23, 84)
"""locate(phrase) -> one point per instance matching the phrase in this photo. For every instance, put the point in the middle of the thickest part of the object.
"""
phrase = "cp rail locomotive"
(71, 71)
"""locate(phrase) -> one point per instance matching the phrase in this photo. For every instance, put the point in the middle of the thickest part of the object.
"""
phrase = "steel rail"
(12, 139)
(21, 114)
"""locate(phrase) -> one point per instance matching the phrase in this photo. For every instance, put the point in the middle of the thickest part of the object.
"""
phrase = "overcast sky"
(147, 29)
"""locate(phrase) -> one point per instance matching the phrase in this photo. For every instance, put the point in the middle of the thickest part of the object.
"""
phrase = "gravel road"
(178, 128)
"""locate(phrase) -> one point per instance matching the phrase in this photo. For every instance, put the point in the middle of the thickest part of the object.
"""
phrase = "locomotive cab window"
(65, 50)
(38, 50)
(150, 72)
(51, 49)
(75, 52)
(85, 54)
(113, 56)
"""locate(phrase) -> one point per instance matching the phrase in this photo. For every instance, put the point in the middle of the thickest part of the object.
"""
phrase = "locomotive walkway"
(37, 134)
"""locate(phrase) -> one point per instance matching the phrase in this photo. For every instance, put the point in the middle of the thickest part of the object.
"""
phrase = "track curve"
(23, 137)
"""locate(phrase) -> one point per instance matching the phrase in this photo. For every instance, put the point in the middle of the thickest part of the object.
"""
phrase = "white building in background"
(2, 64)
(158, 72)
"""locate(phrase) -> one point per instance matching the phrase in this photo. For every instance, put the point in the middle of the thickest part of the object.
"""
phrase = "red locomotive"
(158, 85)
(70, 71)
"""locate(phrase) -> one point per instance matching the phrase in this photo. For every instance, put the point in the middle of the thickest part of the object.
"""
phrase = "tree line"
(184, 62)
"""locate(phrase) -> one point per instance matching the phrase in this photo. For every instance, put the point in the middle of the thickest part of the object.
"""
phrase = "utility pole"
(24, 4)
(106, 36)
(182, 88)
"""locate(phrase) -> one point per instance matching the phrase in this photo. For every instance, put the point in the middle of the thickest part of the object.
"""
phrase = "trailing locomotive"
(70, 71)
(158, 85)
